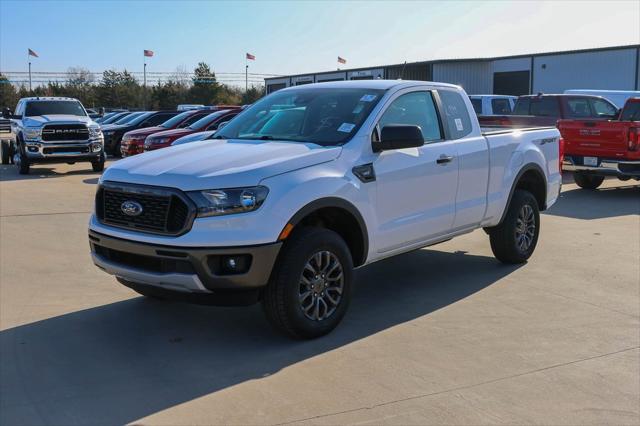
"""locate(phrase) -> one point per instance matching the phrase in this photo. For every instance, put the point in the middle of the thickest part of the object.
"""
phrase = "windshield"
(174, 121)
(115, 117)
(207, 119)
(324, 116)
(138, 119)
(37, 108)
(128, 118)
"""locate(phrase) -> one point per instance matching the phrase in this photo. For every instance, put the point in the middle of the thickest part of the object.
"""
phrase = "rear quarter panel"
(511, 153)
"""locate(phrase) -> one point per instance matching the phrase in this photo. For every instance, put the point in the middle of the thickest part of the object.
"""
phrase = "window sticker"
(368, 98)
(459, 125)
(358, 109)
(346, 127)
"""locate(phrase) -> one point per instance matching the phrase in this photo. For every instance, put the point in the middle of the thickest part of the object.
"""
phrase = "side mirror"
(399, 136)
(221, 125)
(7, 113)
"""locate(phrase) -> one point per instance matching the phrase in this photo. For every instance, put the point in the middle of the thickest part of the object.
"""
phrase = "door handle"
(444, 159)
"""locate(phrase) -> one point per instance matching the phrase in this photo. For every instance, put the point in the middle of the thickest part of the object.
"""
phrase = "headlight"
(157, 141)
(217, 202)
(32, 134)
(95, 132)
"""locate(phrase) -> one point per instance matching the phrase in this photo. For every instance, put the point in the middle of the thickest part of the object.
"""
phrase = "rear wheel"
(515, 239)
(310, 289)
(586, 181)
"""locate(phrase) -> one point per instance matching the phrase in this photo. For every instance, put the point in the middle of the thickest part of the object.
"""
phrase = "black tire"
(281, 300)
(586, 181)
(22, 161)
(5, 147)
(98, 166)
(506, 237)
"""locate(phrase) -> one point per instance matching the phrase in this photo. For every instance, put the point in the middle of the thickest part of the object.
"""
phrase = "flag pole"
(144, 91)
(29, 60)
(246, 73)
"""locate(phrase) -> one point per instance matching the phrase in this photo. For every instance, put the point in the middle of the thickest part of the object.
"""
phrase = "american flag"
(341, 60)
(32, 53)
(148, 53)
(251, 57)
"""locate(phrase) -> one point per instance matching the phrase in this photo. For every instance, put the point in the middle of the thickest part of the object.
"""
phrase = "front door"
(416, 187)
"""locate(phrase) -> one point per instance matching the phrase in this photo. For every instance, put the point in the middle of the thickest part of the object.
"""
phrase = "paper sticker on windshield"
(358, 109)
(368, 98)
(346, 127)
(459, 124)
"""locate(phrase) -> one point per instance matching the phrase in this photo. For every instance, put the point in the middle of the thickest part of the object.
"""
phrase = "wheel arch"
(342, 217)
(531, 177)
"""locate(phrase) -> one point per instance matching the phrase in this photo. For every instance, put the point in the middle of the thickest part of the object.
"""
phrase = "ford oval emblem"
(131, 208)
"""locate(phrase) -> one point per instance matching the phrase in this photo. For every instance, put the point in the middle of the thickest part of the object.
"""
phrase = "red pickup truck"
(594, 149)
(546, 110)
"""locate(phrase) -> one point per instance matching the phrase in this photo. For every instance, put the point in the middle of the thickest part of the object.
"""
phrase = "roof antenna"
(402, 72)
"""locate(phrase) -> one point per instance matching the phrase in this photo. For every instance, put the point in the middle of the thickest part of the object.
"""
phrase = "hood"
(213, 164)
(146, 131)
(173, 133)
(41, 120)
(193, 137)
(113, 127)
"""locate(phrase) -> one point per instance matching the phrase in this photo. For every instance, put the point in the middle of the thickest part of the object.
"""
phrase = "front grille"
(164, 211)
(65, 132)
(145, 263)
(5, 125)
(66, 150)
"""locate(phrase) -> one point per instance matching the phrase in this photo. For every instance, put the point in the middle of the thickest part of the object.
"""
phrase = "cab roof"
(371, 84)
(48, 98)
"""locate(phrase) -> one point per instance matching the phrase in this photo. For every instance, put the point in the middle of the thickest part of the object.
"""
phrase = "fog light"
(32, 148)
(230, 264)
(96, 147)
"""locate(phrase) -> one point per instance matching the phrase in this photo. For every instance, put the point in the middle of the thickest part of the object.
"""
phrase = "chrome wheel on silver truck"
(515, 239)
(310, 288)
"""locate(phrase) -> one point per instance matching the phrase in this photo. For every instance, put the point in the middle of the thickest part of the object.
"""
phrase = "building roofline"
(439, 61)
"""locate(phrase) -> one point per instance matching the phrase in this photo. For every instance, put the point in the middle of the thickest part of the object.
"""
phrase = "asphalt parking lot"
(444, 335)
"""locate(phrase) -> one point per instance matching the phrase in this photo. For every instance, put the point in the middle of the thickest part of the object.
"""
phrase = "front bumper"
(180, 269)
(606, 167)
(129, 147)
(44, 152)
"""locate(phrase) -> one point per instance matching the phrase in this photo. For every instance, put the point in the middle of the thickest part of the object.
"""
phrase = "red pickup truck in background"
(594, 149)
(546, 110)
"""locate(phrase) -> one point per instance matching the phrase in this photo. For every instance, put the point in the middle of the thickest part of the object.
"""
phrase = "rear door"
(592, 132)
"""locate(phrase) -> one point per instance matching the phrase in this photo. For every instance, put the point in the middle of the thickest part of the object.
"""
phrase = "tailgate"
(595, 138)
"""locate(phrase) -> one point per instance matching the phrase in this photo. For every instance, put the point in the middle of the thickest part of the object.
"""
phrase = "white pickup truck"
(311, 182)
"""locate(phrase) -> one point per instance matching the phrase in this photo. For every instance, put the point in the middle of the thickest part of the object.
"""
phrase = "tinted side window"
(522, 106)
(418, 109)
(157, 119)
(545, 107)
(455, 114)
(631, 112)
(603, 108)
(501, 106)
(477, 105)
(578, 108)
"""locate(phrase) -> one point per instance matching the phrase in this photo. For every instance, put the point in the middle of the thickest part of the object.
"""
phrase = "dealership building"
(609, 68)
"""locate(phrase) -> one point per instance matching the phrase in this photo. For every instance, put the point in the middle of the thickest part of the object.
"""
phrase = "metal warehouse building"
(609, 68)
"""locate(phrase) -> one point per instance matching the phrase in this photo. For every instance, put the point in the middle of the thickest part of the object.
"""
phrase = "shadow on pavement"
(598, 204)
(120, 362)
(9, 172)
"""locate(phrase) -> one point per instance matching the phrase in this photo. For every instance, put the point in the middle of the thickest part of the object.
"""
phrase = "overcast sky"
(295, 37)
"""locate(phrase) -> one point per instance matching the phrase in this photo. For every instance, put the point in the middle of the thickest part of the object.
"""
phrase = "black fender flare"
(340, 203)
(527, 167)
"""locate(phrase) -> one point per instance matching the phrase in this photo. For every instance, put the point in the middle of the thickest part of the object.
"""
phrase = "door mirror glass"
(399, 136)
(7, 113)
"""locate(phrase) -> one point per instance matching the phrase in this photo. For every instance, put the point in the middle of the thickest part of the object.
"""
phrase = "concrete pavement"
(444, 335)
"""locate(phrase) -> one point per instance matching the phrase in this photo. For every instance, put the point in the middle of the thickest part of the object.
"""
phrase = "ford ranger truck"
(311, 182)
(595, 149)
(54, 130)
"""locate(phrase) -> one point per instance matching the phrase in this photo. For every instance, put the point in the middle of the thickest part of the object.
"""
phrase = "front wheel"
(515, 239)
(586, 181)
(22, 162)
(98, 165)
(310, 289)
(5, 147)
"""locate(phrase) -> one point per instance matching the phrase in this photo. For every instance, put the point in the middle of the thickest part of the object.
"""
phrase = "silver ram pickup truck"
(53, 130)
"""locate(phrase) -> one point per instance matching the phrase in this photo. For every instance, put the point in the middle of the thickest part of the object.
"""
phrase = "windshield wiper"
(266, 138)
